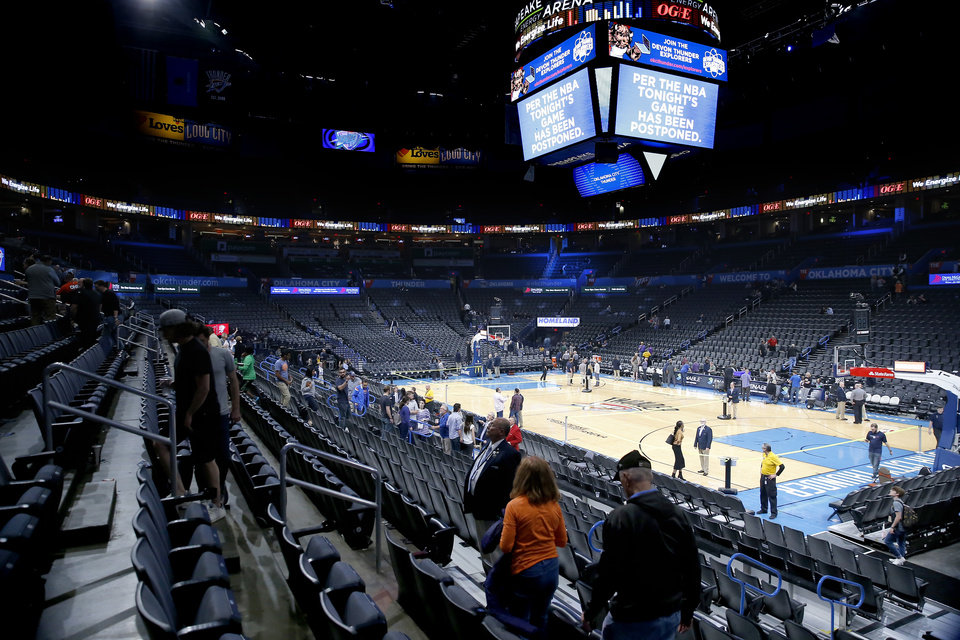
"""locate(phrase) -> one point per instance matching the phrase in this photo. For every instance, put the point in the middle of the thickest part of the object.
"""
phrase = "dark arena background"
(628, 213)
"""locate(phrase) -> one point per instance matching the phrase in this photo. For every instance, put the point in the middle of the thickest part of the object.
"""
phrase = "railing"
(49, 405)
(590, 534)
(744, 586)
(842, 603)
(138, 331)
(303, 484)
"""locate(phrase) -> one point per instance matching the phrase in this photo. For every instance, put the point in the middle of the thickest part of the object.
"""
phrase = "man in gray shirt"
(42, 285)
(224, 377)
(859, 398)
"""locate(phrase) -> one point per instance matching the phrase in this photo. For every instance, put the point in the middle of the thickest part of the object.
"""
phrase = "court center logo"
(624, 404)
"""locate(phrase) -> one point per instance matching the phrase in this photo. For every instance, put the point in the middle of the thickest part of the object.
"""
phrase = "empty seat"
(359, 618)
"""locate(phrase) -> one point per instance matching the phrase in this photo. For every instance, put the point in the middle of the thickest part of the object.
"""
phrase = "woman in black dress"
(678, 462)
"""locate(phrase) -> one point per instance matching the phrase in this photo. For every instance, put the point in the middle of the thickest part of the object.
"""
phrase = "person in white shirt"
(498, 402)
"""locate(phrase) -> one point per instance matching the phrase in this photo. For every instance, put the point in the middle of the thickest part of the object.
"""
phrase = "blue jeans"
(897, 542)
(875, 463)
(664, 628)
(533, 590)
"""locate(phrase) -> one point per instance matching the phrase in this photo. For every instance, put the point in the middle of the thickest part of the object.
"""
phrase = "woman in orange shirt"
(533, 528)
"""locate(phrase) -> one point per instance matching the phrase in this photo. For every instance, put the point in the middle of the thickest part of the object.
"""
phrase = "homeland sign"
(566, 323)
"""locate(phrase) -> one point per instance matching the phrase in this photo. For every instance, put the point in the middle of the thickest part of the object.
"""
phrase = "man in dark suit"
(702, 442)
(486, 489)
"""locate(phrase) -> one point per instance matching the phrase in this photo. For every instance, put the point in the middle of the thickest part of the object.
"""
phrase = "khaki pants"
(284, 393)
(705, 460)
(841, 410)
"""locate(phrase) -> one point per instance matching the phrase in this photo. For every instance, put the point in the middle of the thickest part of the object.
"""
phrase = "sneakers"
(761, 513)
(216, 513)
(897, 561)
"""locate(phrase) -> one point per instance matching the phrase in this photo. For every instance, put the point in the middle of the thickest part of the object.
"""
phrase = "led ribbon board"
(665, 108)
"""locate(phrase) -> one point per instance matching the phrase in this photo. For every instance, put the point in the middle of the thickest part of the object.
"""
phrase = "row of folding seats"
(258, 480)
(712, 501)
(73, 434)
(29, 520)
(24, 353)
(184, 586)
(921, 490)
(451, 611)
(328, 590)
(354, 521)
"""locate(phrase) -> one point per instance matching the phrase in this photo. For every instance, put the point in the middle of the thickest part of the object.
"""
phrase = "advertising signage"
(567, 323)
(570, 54)
(349, 140)
(944, 278)
(537, 18)
(666, 108)
(657, 50)
(437, 158)
(315, 291)
(596, 178)
(558, 116)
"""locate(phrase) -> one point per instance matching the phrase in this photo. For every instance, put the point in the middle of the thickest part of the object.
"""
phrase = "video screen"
(558, 116)
(665, 108)
(568, 55)
(315, 291)
(596, 178)
(349, 140)
(655, 49)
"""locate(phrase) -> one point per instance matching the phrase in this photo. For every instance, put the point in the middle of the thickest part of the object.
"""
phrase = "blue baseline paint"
(804, 446)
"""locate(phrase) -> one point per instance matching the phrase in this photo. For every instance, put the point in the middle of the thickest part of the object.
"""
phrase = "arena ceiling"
(427, 72)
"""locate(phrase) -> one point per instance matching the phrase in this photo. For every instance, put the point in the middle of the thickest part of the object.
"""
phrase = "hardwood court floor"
(623, 415)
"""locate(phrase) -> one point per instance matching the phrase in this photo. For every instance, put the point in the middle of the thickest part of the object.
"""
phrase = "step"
(89, 519)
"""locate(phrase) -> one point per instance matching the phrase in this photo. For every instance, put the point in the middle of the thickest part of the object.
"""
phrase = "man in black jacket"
(649, 563)
(486, 489)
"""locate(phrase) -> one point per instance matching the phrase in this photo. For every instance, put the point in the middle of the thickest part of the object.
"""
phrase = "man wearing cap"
(649, 564)
(770, 468)
(702, 442)
(197, 410)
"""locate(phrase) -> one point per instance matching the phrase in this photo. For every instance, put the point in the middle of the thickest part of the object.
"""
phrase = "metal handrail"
(303, 484)
(590, 535)
(745, 585)
(137, 330)
(49, 404)
(8, 297)
(842, 603)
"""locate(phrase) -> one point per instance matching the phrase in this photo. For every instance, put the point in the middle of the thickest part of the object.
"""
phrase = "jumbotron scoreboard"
(597, 80)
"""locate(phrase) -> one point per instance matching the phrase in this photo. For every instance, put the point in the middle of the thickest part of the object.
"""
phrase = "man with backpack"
(896, 538)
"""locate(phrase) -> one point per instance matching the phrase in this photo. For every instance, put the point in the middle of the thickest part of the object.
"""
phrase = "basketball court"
(825, 458)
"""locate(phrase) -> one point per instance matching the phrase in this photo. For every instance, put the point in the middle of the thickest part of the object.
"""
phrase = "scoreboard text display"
(558, 116)
(595, 178)
(665, 108)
